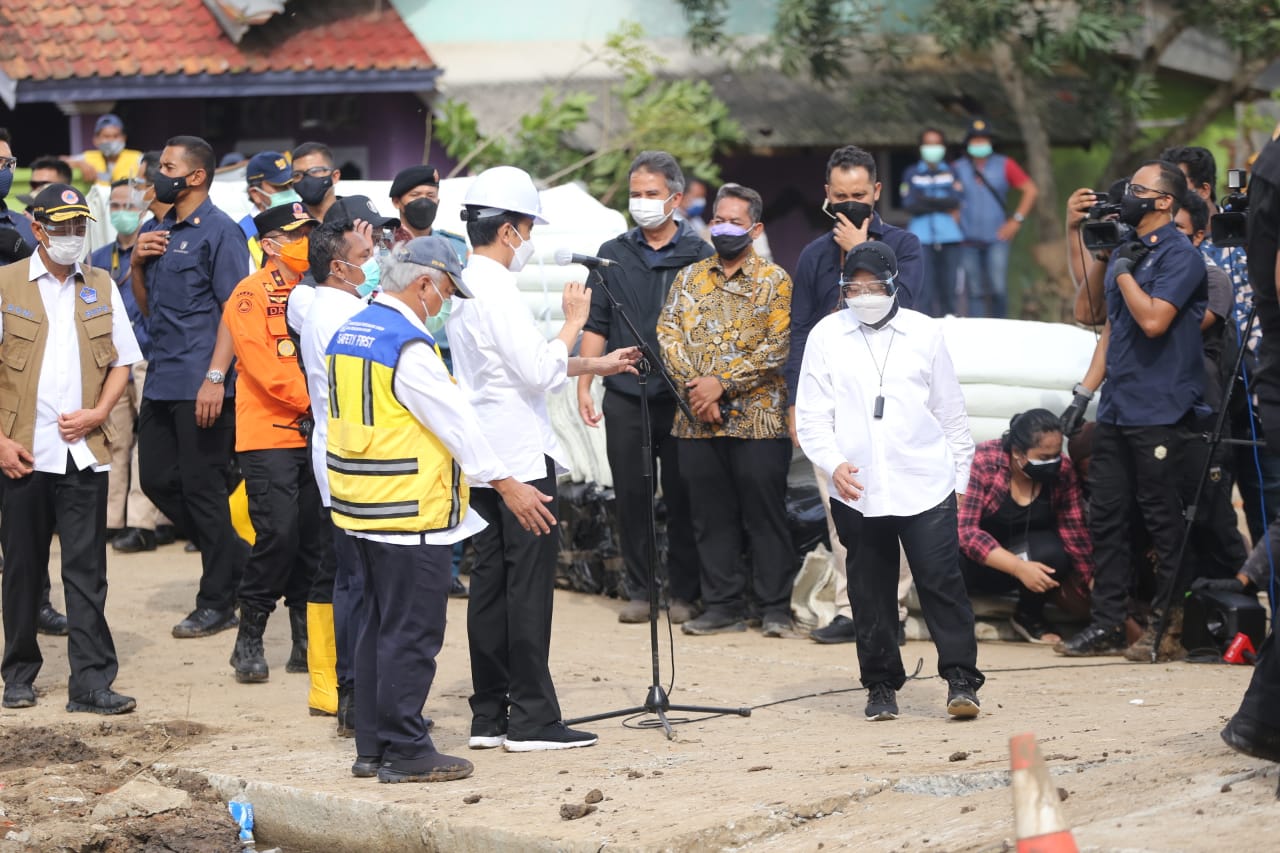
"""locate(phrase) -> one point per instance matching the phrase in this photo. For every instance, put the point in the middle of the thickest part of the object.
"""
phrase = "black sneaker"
(19, 696)
(486, 734)
(458, 589)
(962, 699)
(882, 703)
(714, 623)
(842, 629)
(436, 767)
(104, 700)
(1093, 641)
(902, 633)
(366, 766)
(554, 736)
(134, 540)
(166, 534)
(1242, 735)
(50, 621)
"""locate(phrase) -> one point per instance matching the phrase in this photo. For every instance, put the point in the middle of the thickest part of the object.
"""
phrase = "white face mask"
(66, 250)
(523, 253)
(871, 308)
(649, 212)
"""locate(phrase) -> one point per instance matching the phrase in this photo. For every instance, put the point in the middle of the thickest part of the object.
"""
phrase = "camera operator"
(1199, 166)
(1155, 292)
(1255, 728)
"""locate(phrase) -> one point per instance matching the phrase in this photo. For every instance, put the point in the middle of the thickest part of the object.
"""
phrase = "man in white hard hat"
(506, 367)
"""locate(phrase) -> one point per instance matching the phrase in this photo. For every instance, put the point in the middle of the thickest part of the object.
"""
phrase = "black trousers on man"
(401, 632)
(1141, 465)
(739, 486)
(183, 470)
(931, 541)
(347, 592)
(284, 506)
(623, 440)
(513, 583)
(32, 509)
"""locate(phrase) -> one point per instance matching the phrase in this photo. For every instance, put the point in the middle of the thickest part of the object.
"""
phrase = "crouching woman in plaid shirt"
(1022, 525)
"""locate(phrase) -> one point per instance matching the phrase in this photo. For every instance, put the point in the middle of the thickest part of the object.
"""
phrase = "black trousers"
(1216, 548)
(183, 470)
(931, 541)
(284, 506)
(738, 485)
(509, 617)
(348, 598)
(32, 509)
(622, 443)
(1043, 546)
(401, 632)
(1261, 702)
(1141, 465)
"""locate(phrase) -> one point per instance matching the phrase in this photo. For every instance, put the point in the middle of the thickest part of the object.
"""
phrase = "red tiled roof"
(66, 39)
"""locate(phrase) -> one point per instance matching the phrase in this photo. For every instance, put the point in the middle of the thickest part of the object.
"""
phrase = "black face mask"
(167, 189)
(312, 190)
(855, 211)
(730, 246)
(420, 213)
(1043, 471)
(1132, 209)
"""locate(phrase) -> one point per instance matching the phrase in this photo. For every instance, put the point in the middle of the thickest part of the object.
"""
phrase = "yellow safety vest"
(387, 472)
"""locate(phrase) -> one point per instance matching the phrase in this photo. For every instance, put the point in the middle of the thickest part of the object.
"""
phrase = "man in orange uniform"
(273, 422)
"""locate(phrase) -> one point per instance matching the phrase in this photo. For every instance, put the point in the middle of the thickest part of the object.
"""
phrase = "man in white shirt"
(400, 437)
(506, 368)
(67, 345)
(336, 252)
(879, 410)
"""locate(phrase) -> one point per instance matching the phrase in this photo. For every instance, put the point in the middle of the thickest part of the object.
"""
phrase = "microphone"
(564, 257)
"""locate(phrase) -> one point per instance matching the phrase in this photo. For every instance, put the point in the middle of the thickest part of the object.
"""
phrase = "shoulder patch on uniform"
(285, 348)
(245, 304)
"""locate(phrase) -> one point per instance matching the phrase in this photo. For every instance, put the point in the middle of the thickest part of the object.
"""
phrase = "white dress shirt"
(299, 305)
(506, 367)
(326, 311)
(423, 385)
(59, 389)
(910, 459)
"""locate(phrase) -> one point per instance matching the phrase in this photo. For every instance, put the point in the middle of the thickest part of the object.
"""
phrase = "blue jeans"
(986, 274)
(938, 287)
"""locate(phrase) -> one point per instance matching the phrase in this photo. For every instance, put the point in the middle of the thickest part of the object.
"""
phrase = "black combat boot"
(298, 626)
(248, 658)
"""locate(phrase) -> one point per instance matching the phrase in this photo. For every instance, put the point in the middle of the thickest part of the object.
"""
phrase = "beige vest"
(22, 351)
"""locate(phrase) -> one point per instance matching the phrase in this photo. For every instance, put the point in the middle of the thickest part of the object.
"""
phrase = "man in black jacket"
(647, 259)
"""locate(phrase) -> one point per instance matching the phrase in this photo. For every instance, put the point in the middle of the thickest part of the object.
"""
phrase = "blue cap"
(108, 120)
(270, 166)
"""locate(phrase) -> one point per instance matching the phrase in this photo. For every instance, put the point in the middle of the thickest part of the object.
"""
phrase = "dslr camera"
(1231, 227)
(1102, 229)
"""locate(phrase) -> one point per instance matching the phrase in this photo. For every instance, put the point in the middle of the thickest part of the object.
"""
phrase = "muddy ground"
(1134, 748)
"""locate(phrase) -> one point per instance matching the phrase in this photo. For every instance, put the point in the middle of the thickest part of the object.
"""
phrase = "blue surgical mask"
(696, 207)
(435, 322)
(372, 276)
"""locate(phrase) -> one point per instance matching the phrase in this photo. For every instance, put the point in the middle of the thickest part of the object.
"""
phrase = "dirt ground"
(1133, 748)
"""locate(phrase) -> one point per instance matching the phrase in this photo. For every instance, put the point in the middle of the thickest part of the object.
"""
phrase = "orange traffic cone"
(1037, 818)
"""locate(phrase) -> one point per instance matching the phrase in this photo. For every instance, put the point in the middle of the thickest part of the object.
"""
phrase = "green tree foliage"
(683, 117)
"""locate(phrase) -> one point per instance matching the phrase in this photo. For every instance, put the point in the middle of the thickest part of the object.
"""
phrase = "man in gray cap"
(400, 437)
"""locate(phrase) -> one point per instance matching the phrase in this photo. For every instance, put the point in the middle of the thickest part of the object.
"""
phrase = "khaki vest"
(22, 351)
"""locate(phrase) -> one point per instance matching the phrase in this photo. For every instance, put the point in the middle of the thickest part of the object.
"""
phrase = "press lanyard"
(878, 412)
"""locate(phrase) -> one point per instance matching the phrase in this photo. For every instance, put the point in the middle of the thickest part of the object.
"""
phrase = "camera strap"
(982, 179)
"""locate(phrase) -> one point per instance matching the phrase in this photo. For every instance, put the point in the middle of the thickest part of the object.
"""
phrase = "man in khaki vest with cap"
(65, 349)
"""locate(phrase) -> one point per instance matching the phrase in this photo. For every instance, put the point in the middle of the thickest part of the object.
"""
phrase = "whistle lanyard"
(878, 411)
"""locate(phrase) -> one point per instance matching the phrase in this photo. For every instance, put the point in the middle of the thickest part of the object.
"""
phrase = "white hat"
(502, 189)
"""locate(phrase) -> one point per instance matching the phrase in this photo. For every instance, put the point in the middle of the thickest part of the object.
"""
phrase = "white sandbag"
(1018, 352)
(985, 400)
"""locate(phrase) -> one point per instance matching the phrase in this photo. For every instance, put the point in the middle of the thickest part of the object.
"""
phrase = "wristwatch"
(215, 376)
(1019, 218)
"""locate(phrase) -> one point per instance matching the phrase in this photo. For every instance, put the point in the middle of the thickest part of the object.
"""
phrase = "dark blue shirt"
(654, 257)
(115, 259)
(816, 285)
(1157, 381)
(186, 287)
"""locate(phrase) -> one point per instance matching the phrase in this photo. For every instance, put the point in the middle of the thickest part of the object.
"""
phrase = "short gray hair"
(755, 204)
(659, 163)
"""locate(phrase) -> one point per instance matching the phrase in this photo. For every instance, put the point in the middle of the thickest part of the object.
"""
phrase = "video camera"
(13, 247)
(1231, 227)
(1102, 229)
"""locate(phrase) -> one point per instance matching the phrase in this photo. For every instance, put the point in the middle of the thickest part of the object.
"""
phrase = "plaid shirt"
(988, 487)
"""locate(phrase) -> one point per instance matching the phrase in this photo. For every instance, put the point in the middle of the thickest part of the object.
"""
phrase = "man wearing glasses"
(1155, 289)
(880, 412)
(16, 239)
(315, 178)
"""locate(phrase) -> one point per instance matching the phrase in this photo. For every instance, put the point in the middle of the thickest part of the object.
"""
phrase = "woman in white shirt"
(879, 409)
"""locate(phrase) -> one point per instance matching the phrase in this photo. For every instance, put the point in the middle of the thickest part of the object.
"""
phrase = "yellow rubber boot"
(322, 660)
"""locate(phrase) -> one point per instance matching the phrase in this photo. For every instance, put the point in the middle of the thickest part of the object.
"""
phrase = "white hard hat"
(504, 188)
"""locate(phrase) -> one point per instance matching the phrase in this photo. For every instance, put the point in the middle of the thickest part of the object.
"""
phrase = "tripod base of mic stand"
(658, 704)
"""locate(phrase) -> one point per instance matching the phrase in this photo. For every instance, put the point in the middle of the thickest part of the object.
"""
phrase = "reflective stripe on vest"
(387, 472)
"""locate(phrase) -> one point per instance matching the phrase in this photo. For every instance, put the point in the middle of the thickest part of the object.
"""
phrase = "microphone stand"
(656, 701)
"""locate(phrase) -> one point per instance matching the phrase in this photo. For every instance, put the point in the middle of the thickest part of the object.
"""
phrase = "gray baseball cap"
(435, 252)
